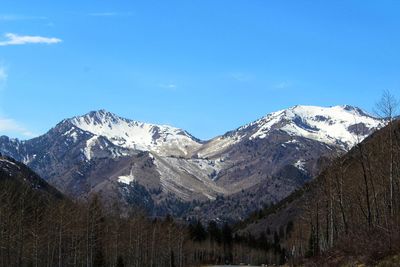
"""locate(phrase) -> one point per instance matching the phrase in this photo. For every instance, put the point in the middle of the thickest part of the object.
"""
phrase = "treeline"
(214, 244)
(353, 208)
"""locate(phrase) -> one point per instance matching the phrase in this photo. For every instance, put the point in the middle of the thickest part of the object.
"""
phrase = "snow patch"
(300, 164)
(88, 149)
(126, 179)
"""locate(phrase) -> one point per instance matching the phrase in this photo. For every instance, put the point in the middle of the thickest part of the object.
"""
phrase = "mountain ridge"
(106, 153)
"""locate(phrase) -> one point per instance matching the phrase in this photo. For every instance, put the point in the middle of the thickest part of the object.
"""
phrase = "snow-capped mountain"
(274, 155)
(161, 167)
(342, 126)
(162, 139)
(339, 125)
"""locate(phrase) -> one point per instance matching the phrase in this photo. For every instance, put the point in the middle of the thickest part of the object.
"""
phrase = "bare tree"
(386, 108)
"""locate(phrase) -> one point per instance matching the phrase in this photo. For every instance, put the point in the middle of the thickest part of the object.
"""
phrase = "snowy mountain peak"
(344, 113)
(101, 116)
(132, 134)
(337, 125)
(304, 110)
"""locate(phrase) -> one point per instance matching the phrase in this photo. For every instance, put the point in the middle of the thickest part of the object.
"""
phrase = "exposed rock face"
(164, 169)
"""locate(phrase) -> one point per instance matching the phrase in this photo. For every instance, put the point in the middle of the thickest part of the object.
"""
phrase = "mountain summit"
(165, 168)
(338, 125)
(163, 139)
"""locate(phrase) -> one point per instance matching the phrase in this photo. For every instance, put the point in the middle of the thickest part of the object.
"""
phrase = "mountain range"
(166, 170)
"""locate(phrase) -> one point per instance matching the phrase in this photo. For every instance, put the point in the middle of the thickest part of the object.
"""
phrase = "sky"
(207, 66)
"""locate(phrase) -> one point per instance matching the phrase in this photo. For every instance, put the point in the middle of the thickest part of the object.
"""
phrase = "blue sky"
(204, 65)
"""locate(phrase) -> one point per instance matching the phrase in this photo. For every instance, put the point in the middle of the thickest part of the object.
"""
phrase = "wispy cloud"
(15, 39)
(8, 126)
(14, 17)
(110, 14)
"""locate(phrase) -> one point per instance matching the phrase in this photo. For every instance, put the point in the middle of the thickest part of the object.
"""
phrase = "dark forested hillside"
(352, 210)
(19, 175)
(41, 227)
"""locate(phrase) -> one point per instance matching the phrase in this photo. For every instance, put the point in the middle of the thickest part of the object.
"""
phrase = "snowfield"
(328, 125)
(163, 139)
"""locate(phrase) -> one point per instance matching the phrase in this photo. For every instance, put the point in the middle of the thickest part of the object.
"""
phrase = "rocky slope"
(267, 159)
(164, 168)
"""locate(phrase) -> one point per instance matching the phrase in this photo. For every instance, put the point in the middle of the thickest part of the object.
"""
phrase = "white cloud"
(13, 17)
(15, 39)
(8, 126)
